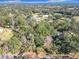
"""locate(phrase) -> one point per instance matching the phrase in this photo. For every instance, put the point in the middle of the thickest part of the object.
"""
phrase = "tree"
(14, 44)
(68, 44)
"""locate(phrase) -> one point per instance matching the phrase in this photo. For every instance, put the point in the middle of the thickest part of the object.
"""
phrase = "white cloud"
(56, 0)
(12, 1)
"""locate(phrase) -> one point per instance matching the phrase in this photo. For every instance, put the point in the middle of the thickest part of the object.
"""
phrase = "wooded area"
(41, 29)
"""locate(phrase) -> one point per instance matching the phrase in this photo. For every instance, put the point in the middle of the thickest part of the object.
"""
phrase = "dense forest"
(41, 29)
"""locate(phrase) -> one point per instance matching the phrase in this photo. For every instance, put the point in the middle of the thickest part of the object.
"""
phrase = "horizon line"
(35, 2)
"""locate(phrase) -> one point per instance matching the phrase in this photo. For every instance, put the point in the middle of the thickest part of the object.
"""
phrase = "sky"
(38, 1)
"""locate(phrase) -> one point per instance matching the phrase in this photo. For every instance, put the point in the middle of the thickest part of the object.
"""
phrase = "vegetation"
(30, 26)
